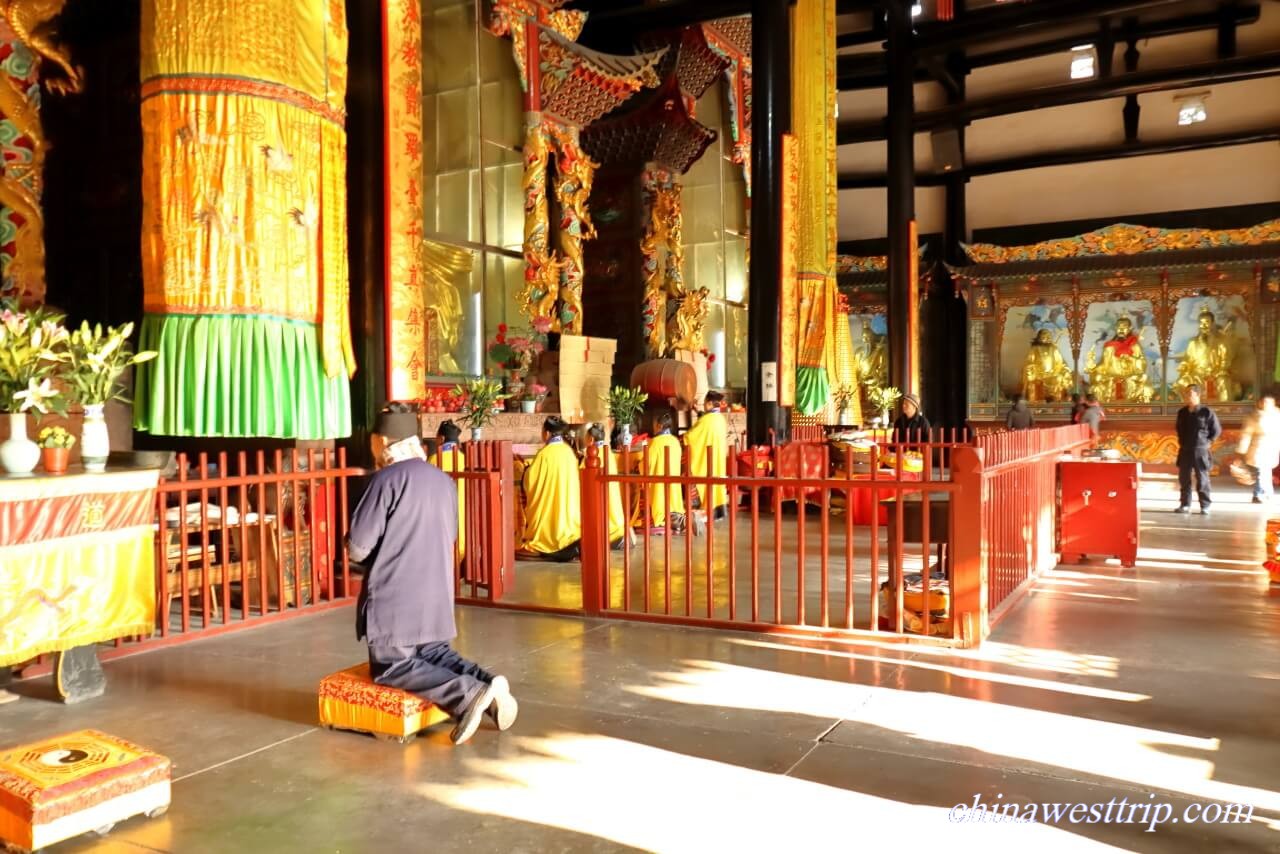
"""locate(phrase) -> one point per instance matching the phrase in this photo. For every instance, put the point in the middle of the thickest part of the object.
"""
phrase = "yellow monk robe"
(617, 515)
(450, 459)
(553, 501)
(664, 498)
(708, 444)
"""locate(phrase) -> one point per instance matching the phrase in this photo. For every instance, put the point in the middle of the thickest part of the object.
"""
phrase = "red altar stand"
(1099, 512)
(861, 502)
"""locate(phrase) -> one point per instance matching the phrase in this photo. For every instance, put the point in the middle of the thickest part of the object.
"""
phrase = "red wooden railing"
(963, 529)
(247, 539)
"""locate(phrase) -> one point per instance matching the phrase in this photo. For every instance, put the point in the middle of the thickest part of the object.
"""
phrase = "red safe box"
(1099, 510)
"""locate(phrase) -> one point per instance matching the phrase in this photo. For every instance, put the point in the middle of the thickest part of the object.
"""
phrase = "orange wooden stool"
(71, 784)
(350, 699)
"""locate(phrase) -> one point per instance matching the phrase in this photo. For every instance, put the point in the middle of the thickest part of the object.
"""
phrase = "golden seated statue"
(1045, 374)
(1121, 375)
(1207, 362)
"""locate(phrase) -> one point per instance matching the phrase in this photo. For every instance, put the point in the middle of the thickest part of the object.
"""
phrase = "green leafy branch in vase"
(885, 398)
(843, 397)
(96, 359)
(480, 400)
(625, 404)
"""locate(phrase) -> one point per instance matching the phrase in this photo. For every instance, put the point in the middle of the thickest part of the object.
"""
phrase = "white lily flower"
(35, 396)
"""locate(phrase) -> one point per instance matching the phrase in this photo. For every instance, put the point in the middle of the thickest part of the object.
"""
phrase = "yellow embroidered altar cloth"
(77, 561)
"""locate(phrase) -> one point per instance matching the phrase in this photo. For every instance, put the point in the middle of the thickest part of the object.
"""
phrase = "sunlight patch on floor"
(657, 800)
(1150, 758)
(963, 672)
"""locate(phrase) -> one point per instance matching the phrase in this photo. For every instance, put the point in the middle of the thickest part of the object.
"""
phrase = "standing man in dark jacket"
(1197, 428)
(404, 531)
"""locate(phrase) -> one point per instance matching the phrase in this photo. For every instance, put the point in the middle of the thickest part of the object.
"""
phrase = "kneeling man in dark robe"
(404, 532)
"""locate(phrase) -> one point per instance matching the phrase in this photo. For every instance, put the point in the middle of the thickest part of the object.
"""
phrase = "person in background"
(618, 528)
(1092, 415)
(553, 500)
(403, 531)
(448, 457)
(1077, 407)
(1197, 427)
(1260, 446)
(911, 425)
(708, 444)
(664, 458)
(1020, 416)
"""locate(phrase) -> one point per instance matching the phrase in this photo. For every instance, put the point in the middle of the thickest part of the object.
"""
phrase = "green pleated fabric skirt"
(237, 376)
(813, 390)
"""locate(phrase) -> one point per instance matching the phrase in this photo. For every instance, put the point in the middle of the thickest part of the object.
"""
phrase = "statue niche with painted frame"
(1036, 361)
(1211, 345)
(1121, 351)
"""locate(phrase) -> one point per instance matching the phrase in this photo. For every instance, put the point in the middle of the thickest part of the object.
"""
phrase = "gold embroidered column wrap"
(813, 96)
(244, 219)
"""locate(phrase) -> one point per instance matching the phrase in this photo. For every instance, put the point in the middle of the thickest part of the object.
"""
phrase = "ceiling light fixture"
(1084, 61)
(917, 9)
(1191, 108)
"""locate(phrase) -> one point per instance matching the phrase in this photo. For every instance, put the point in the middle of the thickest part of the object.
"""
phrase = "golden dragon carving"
(20, 184)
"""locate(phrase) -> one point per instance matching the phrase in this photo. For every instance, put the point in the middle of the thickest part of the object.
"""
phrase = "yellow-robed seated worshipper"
(618, 528)
(708, 444)
(663, 458)
(449, 458)
(552, 498)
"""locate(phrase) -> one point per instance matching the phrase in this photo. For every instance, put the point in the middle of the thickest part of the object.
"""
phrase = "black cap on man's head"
(396, 426)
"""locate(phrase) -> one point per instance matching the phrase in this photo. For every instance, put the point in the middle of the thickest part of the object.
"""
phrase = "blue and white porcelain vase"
(18, 454)
(95, 441)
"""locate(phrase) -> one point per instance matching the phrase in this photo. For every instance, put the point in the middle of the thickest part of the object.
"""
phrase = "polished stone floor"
(1102, 684)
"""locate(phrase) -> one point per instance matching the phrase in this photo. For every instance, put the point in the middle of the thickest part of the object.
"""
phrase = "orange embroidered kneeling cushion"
(350, 699)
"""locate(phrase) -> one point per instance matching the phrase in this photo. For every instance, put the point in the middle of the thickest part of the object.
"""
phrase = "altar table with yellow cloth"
(77, 561)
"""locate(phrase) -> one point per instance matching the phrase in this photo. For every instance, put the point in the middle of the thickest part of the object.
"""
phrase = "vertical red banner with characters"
(406, 344)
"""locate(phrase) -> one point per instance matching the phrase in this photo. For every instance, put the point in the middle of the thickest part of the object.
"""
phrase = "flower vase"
(18, 454)
(528, 407)
(624, 435)
(95, 441)
(884, 418)
(476, 434)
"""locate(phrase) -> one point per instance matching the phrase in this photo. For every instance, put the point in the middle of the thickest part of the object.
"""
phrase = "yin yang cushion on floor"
(83, 781)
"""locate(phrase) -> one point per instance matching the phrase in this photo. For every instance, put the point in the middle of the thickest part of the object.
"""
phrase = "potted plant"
(96, 359)
(884, 399)
(843, 397)
(32, 345)
(55, 448)
(625, 405)
(534, 394)
(480, 401)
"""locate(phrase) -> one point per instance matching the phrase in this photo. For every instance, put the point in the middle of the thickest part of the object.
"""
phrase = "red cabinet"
(1099, 510)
